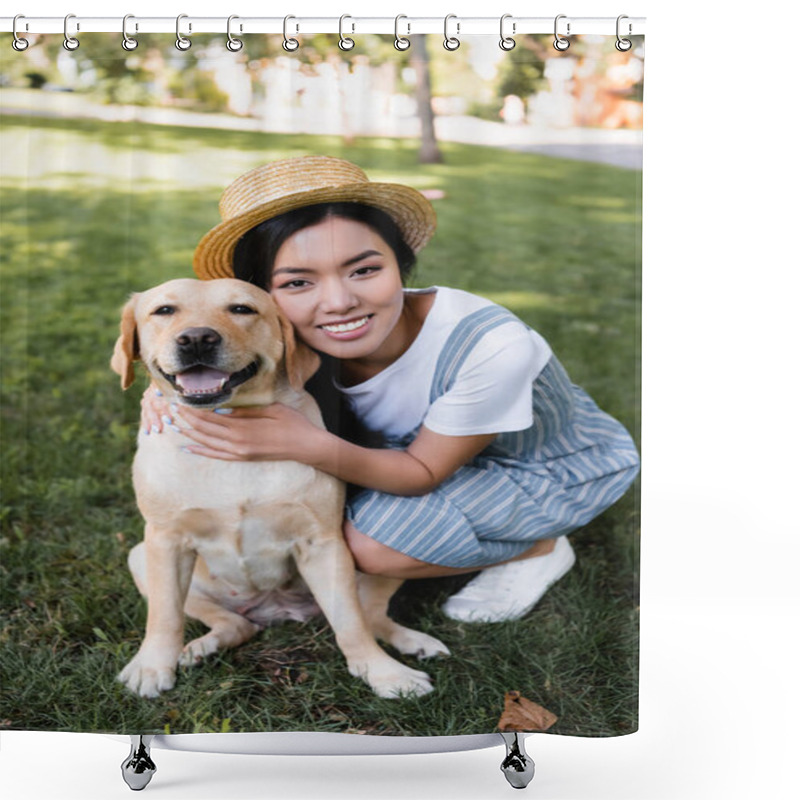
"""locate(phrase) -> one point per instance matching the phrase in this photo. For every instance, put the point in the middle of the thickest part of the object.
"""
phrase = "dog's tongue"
(201, 380)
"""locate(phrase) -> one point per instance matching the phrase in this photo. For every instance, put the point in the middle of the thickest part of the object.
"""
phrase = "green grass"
(556, 241)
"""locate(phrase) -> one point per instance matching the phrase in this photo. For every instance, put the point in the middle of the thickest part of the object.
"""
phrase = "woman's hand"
(155, 410)
(265, 433)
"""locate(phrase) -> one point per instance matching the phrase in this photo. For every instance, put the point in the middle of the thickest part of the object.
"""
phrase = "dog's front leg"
(327, 567)
(375, 592)
(169, 573)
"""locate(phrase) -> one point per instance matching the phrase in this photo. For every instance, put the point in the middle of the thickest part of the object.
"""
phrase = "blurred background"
(589, 96)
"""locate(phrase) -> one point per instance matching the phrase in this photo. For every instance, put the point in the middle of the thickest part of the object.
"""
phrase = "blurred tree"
(429, 152)
(521, 72)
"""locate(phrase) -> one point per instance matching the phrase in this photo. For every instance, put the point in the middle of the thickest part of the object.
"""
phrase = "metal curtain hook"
(346, 43)
(18, 44)
(289, 45)
(623, 45)
(506, 42)
(70, 42)
(400, 42)
(451, 42)
(128, 43)
(560, 43)
(181, 42)
(234, 45)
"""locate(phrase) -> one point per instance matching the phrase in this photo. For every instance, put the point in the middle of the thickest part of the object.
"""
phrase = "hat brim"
(411, 211)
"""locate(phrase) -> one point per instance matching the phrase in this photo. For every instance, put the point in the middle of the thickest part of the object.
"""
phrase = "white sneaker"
(509, 591)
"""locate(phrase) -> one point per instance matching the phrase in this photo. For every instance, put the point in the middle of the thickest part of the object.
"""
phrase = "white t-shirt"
(491, 393)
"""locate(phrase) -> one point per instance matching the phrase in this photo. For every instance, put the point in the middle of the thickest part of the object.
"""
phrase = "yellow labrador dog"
(224, 541)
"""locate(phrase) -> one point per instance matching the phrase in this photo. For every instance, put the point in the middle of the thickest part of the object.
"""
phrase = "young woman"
(489, 455)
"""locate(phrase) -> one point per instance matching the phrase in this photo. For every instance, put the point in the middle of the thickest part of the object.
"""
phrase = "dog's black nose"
(198, 341)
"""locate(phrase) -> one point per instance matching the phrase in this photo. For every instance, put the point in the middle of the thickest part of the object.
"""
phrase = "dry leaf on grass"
(521, 714)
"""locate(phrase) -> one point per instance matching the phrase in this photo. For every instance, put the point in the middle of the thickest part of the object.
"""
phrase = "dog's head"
(208, 342)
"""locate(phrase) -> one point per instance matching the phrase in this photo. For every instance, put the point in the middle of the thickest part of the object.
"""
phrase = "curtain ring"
(18, 44)
(400, 42)
(234, 45)
(181, 42)
(345, 43)
(451, 42)
(70, 42)
(128, 42)
(623, 45)
(560, 43)
(289, 45)
(506, 42)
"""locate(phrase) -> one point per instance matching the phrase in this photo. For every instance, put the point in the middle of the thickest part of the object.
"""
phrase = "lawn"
(93, 211)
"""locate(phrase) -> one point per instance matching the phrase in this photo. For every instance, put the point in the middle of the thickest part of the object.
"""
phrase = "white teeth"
(346, 326)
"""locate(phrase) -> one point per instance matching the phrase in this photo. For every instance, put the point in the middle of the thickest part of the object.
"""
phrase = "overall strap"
(461, 342)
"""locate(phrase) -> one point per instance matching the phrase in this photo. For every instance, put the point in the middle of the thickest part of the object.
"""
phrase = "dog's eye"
(241, 309)
(163, 311)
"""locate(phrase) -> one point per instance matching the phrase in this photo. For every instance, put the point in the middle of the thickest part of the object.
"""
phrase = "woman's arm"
(277, 432)
(429, 460)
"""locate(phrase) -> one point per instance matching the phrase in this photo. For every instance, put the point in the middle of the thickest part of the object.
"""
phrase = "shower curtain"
(113, 162)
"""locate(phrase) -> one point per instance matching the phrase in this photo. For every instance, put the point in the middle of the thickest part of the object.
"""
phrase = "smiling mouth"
(347, 327)
(204, 385)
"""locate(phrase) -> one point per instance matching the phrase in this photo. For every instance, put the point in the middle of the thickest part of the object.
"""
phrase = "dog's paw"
(146, 679)
(391, 679)
(415, 643)
(198, 650)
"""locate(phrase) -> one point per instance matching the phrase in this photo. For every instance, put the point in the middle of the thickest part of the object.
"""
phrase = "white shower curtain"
(112, 166)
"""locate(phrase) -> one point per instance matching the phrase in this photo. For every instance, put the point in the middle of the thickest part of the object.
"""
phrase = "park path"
(621, 148)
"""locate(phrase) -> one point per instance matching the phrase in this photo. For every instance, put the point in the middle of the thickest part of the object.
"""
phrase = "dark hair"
(254, 256)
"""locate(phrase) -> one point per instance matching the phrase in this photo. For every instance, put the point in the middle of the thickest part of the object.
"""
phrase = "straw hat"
(272, 189)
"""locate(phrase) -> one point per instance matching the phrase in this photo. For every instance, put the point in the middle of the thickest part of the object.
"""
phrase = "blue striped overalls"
(573, 463)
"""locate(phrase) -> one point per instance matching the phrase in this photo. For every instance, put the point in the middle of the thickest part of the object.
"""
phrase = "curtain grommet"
(560, 43)
(71, 43)
(507, 42)
(129, 43)
(623, 45)
(181, 42)
(233, 44)
(400, 42)
(345, 42)
(289, 44)
(451, 43)
(18, 43)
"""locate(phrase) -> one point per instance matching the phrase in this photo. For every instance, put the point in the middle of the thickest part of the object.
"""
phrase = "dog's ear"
(300, 361)
(126, 350)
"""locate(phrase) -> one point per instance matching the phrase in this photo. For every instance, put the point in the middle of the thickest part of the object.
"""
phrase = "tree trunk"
(429, 152)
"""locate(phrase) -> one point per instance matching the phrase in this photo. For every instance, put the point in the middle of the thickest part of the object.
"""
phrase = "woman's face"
(339, 284)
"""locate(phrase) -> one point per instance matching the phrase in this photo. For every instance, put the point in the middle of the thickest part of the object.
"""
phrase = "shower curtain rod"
(75, 25)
